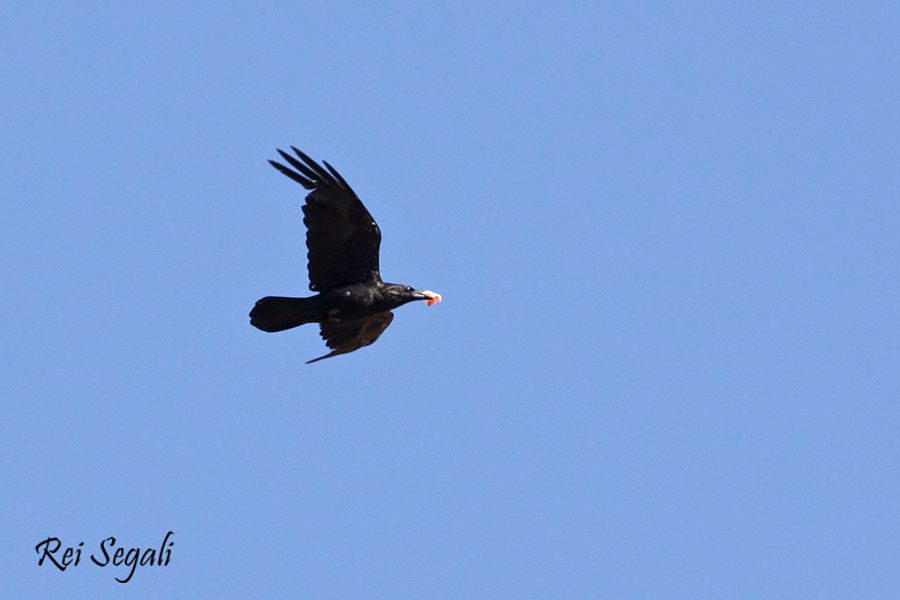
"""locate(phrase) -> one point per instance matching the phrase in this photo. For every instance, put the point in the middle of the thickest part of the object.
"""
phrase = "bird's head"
(401, 294)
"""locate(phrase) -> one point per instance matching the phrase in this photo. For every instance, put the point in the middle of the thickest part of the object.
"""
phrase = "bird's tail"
(275, 313)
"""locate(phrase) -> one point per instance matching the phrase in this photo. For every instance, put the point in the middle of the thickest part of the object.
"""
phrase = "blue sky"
(666, 361)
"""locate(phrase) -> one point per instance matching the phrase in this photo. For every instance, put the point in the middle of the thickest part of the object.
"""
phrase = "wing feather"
(342, 238)
(346, 336)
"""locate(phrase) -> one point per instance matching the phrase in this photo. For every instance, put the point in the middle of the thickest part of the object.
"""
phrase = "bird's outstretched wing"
(346, 336)
(342, 237)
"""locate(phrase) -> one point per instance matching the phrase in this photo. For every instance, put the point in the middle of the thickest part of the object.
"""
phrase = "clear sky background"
(668, 240)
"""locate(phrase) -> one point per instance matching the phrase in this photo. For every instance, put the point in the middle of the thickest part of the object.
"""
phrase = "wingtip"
(301, 154)
(330, 354)
(336, 175)
(298, 177)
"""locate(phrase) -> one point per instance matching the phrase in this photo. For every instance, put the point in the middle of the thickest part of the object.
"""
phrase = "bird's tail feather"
(276, 313)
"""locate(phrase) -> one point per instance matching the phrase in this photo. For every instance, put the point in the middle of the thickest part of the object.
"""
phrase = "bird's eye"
(408, 289)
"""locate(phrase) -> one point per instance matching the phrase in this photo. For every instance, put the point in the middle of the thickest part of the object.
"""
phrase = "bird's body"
(353, 306)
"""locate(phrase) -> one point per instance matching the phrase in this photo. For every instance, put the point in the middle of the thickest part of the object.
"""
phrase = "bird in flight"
(353, 305)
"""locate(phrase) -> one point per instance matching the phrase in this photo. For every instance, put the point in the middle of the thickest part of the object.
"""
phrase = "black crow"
(353, 305)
